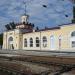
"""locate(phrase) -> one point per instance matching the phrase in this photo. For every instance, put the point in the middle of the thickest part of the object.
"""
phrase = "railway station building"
(25, 37)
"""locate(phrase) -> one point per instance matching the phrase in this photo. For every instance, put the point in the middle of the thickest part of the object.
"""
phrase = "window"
(73, 43)
(73, 39)
(44, 41)
(37, 42)
(25, 42)
(31, 42)
(10, 39)
(73, 34)
(10, 43)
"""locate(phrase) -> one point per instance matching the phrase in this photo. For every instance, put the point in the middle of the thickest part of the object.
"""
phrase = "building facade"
(25, 37)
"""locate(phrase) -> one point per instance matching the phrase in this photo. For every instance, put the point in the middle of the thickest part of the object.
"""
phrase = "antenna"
(25, 16)
(25, 9)
(25, 3)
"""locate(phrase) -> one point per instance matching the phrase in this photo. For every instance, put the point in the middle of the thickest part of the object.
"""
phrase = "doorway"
(10, 43)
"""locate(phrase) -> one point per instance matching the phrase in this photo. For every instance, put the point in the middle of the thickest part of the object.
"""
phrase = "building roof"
(45, 29)
(30, 24)
(52, 28)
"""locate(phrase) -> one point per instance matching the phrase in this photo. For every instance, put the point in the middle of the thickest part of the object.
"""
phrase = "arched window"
(37, 42)
(44, 41)
(25, 42)
(73, 34)
(10, 39)
(10, 43)
(73, 39)
(31, 42)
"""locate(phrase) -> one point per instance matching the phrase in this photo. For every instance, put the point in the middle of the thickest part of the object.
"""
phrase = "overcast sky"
(53, 15)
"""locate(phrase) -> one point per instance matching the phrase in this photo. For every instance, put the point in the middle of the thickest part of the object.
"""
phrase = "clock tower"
(24, 18)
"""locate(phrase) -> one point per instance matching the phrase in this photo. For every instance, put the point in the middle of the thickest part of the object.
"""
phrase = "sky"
(53, 15)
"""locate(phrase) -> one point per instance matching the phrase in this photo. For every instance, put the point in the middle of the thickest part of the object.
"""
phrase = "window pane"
(25, 42)
(73, 43)
(31, 45)
(44, 41)
(37, 42)
(37, 45)
(31, 42)
(10, 39)
(73, 33)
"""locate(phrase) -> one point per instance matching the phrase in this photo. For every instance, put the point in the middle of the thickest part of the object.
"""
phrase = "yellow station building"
(25, 37)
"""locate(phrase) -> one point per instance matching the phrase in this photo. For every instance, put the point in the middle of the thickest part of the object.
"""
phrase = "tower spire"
(25, 16)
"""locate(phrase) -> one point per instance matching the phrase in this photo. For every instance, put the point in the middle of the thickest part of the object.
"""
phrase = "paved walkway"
(37, 53)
